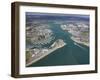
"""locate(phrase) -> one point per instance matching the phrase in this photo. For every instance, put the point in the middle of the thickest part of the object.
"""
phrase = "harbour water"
(71, 54)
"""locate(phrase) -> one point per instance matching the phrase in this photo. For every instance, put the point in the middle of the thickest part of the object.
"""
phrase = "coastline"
(42, 55)
(83, 43)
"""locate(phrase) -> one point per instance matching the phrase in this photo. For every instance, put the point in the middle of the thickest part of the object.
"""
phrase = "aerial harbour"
(56, 39)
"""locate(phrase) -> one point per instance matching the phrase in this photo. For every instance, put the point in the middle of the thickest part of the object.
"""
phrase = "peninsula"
(37, 54)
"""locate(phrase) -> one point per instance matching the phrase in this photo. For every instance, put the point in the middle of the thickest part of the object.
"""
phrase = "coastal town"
(39, 35)
(36, 54)
(79, 32)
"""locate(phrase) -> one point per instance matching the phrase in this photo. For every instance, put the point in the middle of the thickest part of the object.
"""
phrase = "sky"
(55, 16)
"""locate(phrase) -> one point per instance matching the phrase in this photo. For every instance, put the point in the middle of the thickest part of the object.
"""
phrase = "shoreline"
(83, 43)
(42, 55)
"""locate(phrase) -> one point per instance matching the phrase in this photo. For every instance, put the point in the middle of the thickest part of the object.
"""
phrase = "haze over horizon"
(56, 16)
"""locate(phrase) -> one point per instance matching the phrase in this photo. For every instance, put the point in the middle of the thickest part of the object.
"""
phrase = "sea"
(70, 54)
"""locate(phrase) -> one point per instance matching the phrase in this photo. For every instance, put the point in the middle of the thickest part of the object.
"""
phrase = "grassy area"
(84, 33)
(28, 55)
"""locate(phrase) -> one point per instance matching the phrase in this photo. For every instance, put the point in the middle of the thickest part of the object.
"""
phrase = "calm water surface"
(70, 54)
